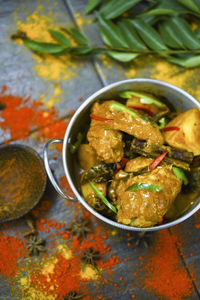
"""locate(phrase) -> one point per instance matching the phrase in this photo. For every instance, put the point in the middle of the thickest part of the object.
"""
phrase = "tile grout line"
(94, 63)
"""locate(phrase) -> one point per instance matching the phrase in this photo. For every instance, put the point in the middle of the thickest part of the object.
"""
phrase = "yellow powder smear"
(34, 294)
(89, 272)
(66, 252)
(79, 19)
(160, 69)
(48, 67)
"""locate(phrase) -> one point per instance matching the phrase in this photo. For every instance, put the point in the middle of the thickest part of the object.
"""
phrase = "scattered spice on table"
(22, 116)
(79, 228)
(165, 275)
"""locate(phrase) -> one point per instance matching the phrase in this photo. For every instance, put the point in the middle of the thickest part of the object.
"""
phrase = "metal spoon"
(22, 180)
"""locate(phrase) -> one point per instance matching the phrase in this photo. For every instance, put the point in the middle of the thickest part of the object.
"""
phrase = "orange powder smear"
(11, 250)
(21, 116)
(164, 274)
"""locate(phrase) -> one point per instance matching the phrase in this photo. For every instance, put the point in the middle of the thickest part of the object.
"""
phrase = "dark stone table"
(127, 268)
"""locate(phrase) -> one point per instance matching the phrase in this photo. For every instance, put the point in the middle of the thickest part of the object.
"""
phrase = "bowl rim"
(65, 143)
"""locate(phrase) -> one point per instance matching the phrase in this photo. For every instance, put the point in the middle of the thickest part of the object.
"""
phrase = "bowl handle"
(49, 172)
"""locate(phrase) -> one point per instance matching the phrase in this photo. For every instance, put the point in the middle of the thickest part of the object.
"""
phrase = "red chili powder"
(165, 275)
(65, 186)
(11, 250)
(20, 116)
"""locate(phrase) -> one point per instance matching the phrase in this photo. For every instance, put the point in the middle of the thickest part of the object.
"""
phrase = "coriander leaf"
(44, 47)
(91, 5)
(61, 38)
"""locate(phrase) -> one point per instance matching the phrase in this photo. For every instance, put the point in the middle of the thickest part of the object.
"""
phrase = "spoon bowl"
(22, 180)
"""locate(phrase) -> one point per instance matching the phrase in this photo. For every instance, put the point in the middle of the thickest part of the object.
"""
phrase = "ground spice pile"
(36, 27)
(165, 275)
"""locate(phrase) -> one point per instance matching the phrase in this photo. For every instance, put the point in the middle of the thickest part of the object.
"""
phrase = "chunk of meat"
(188, 137)
(142, 208)
(122, 121)
(87, 157)
(106, 142)
(137, 164)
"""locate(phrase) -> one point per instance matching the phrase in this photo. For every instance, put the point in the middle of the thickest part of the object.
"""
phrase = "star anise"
(31, 225)
(90, 256)
(142, 238)
(35, 246)
(72, 296)
(79, 228)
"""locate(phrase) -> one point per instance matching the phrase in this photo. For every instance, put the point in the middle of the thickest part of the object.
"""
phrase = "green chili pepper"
(143, 98)
(145, 186)
(122, 108)
(102, 197)
(180, 174)
(74, 147)
(162, 123)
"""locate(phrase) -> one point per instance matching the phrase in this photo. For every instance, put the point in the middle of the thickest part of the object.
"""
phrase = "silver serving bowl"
(181, 101)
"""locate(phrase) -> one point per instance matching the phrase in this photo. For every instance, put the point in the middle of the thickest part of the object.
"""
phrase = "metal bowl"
(181, 101)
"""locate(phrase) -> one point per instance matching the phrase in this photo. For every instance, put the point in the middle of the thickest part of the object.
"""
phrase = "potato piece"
(87, 157)
(137, 164)
(90, 196)
(188, 137)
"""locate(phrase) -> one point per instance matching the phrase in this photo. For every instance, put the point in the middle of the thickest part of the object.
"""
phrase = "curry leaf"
(44, 47)
(61, 38)
(122, 56)
(91, 5)
(130, 35)
(190, 62)
(110, 33)
(149, 35)
(191, 5)
(116, 8)
(81, 51)
(184, 32)
(78, 36)
(169, 37)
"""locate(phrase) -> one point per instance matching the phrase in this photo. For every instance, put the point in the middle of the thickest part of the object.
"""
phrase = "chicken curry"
(140, 159)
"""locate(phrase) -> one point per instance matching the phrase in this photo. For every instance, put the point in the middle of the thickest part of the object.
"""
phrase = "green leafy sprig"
(159, 29)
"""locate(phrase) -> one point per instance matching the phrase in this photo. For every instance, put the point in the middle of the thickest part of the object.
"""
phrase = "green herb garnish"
(74, 147)
(122, 108)
(180, 174)
(102, 197)
(145, 186)
(143, 98)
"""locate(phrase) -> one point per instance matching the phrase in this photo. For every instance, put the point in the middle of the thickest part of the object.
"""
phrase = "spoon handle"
(49, 172)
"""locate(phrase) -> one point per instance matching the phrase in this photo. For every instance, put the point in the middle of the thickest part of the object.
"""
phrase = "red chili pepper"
(144, 108)
(122, 164)
(100, 119)
(156, 162)
(171, 128)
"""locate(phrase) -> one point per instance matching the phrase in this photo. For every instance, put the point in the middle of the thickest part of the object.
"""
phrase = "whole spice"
(73, 295)
(35, 246)
(90, 256)
(79, 228)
